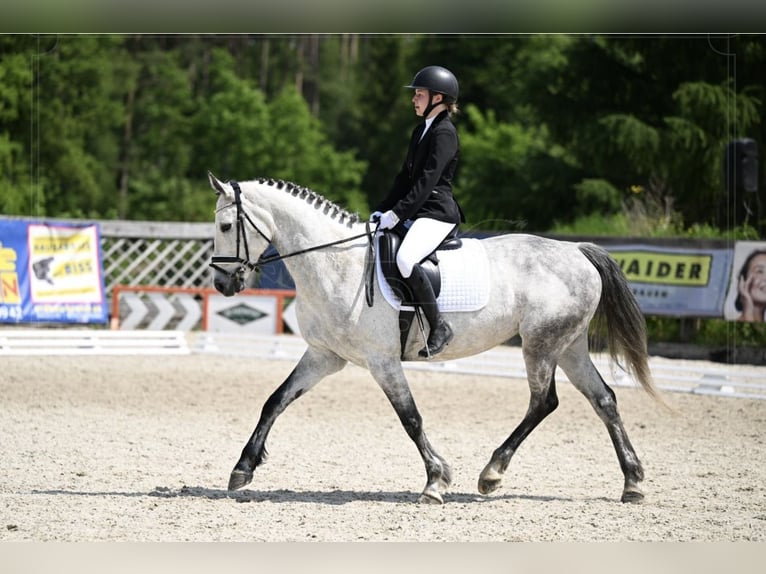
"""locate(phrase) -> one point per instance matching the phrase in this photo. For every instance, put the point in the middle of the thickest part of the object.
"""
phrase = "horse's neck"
(299, 226)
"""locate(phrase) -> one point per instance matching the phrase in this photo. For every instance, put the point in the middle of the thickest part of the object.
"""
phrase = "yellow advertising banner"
(691, 270)
(674, 281)
(51, 272)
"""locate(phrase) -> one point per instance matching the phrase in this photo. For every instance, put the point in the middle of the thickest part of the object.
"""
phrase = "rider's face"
(420, 100)
(756, 278)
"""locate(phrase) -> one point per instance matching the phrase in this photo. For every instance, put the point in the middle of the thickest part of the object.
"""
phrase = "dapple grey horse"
(544, 290)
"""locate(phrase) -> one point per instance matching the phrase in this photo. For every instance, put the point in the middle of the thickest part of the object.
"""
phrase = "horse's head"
(239, 239)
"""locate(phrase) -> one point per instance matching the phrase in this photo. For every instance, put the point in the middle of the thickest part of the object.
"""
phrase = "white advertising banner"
(746, 300)
(242, 314)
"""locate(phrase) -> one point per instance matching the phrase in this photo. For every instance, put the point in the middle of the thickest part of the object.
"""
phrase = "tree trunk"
(264, 74)
(313, 90)
(127, 136)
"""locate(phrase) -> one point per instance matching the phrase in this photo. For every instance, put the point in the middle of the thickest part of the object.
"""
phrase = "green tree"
(242, 135)
(510, 175)
(556, 127)
(15, 81)
(380, 116)
(302, 153)
(157, 140)
(631, 115)
(75, 116)
(232, 125)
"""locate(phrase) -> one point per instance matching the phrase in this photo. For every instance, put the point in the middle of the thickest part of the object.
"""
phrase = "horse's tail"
(625, 323)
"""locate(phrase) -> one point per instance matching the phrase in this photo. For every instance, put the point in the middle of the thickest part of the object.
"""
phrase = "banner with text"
(51, 272)
(676, 281)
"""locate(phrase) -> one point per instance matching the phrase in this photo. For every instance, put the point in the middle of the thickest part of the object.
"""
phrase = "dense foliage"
(556, 130)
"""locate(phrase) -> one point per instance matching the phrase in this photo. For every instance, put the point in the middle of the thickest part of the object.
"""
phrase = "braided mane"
(313, 198)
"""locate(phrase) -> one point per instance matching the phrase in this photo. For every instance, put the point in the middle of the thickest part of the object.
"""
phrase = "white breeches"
(423, 237)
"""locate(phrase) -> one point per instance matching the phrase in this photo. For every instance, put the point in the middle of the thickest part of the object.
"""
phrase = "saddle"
(388, 244)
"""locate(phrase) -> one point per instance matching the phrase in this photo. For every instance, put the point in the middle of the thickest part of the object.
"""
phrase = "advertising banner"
(244, 314)
(746, 300)
(51, 272)
(676, 281)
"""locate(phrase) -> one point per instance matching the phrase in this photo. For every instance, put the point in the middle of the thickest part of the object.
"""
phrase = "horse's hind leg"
(390, 377)
(581, 371)
(542, 402)
(313, 366)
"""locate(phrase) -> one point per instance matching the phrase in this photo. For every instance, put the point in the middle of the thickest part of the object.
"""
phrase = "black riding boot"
(441, 333)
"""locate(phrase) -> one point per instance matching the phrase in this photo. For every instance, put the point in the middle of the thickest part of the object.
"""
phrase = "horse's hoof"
(488, 486)
(430, 497)
(633, 496)
(490, 479)
(239, 478)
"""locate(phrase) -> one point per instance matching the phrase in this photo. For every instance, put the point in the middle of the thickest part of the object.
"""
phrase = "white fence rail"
(92, 342)
(697, 377)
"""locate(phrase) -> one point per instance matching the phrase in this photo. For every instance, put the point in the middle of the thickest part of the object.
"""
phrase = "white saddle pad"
(465, 279)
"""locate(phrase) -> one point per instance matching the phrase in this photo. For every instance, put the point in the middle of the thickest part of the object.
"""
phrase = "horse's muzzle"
(228, 285)
(227, 282)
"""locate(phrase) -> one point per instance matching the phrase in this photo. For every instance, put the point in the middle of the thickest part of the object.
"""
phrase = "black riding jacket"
(423, 187)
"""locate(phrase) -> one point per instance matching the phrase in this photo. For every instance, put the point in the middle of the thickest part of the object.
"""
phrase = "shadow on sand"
(330, 497)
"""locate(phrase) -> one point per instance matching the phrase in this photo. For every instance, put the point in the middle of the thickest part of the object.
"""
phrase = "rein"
(245, 263)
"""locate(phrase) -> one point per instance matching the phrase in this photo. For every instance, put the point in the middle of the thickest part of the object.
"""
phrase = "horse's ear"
(215, 183)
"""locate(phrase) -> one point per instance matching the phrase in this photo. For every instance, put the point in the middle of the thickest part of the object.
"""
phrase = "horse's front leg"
(390, 376)
(314, 365)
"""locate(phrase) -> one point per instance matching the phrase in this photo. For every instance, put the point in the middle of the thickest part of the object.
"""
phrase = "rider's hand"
(746, 299)
(375, 216)
(388, 220)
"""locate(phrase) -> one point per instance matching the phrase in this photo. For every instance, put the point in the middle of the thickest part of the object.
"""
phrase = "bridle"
(244, 263)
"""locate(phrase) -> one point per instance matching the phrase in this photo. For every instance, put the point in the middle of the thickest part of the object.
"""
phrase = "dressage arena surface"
(139, 448)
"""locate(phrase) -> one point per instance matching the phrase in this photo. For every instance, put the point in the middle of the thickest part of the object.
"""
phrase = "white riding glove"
(388, 220)
(375, 216)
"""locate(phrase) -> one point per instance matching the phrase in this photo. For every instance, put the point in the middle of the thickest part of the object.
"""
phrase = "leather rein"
(244, 263)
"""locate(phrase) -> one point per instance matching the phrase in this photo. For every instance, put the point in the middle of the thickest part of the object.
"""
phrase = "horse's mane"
(311, 197)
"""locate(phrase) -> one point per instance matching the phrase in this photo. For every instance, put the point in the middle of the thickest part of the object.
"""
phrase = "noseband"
(244, 263)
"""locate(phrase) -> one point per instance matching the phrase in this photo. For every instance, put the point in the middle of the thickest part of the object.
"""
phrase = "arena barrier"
(696, 377)
(687, 376)
(139, 307)
(92, 342)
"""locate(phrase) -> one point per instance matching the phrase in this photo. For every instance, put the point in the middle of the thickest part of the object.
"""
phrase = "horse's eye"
(225, 227)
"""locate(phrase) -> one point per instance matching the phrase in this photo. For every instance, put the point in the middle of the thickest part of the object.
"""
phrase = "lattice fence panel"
(166, 254)
(166, 263)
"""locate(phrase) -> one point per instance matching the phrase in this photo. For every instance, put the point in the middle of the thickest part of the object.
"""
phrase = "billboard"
(746, 299)
(51, 272)
(676, 281)
(244, 314)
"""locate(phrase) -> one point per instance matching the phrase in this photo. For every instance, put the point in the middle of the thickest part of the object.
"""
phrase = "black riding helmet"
(437, 79)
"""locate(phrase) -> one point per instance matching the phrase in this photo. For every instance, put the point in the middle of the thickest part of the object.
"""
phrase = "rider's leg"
(440, 333)
(422, 238)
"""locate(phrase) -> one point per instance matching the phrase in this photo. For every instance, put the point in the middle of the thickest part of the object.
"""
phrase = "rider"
(420, 203)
